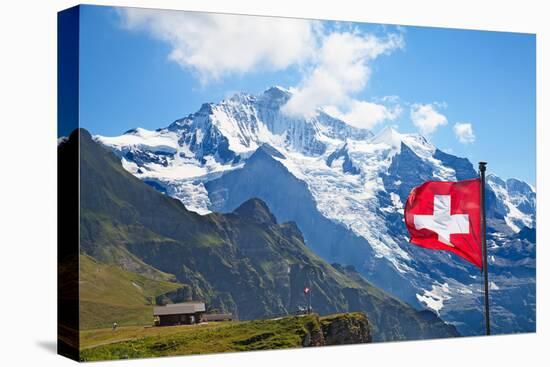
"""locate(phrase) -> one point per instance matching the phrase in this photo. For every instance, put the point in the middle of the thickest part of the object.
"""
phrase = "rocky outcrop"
(347, 328)
(338, 329)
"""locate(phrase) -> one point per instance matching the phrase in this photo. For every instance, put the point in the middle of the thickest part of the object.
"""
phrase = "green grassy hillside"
(109, 294)
(287, 332)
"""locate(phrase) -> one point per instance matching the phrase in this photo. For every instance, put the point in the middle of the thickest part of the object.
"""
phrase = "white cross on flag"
(446, 216)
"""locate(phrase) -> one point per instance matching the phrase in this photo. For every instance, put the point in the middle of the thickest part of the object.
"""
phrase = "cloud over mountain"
(334, 64)
(464, 132)
(216, 45)
(341, 70)
(427, 118)
(365, 114)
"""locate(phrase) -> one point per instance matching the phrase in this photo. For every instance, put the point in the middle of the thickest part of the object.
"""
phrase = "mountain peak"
(492, 178)
(277, 90)
(269, 150)
(241, 97)
(255, 210)
(275, 96)
(82, 132)
(516, 185)
(393, 139)
(389, 136)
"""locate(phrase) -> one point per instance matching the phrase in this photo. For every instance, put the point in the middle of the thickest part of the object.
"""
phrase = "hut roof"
(179, 308)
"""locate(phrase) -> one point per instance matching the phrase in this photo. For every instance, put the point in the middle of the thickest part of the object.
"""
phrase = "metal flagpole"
(309, 303)
(309, 308)
(482, 168)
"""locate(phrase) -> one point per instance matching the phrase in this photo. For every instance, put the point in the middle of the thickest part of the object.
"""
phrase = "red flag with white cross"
(447, 216)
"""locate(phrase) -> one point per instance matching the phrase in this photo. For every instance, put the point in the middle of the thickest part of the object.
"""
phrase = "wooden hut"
(179, 313)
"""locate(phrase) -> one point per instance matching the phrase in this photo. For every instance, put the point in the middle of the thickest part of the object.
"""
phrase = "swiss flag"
(306, 290)
(446, 216)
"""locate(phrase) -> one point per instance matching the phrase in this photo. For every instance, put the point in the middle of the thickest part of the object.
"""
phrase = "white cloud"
(340, 69)
(334, 63)
(363, 114)
(464, 132)
(215, 45)
(426, 117)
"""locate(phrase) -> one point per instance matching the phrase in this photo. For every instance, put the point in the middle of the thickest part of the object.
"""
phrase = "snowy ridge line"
(356, 178)
(189, 152)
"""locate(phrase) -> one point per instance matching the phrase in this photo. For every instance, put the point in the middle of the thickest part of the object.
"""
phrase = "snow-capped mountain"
(516, 201)
(345, 188)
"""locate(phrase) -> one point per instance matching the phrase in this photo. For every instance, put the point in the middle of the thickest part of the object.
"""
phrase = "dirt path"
(107, 342)
(105, 336)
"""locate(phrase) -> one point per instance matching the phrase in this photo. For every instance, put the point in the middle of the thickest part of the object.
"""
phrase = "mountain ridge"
(252, 268)
(352, 180)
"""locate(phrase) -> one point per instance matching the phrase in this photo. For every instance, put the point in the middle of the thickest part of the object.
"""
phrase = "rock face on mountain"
(244, 262)
(339, 329)
(346, 329)
(345, 188)
(289, 199)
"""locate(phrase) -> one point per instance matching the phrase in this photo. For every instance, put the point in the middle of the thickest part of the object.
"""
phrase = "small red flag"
(306, 290)
(446, 216)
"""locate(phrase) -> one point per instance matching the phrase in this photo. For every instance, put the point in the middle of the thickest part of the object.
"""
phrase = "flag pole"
(482, 168)
(310, 291)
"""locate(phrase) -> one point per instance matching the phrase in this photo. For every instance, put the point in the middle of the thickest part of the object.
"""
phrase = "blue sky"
(140, 71)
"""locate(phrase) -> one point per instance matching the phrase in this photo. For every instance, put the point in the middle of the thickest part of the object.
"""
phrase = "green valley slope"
(109, 293)
(243, 262)
(280, 333)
